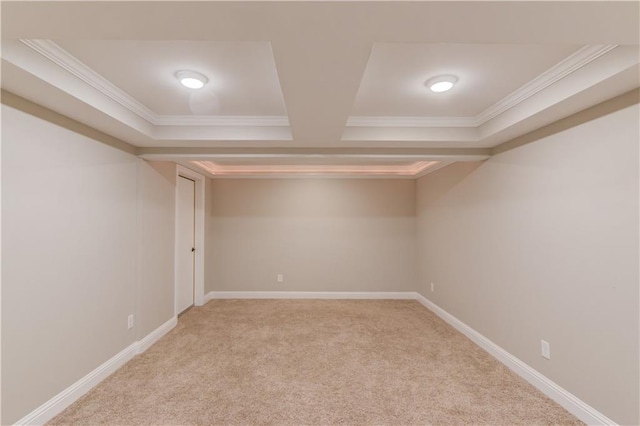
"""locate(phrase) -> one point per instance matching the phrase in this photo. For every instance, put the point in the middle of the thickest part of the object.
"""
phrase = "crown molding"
(409, 170)
(302, 154)
(56, 54)
(71, 64)
(223, 120)
(436, 165)
(572, 63)
(356, 121)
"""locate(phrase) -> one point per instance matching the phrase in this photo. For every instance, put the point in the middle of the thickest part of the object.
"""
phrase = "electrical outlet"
(432, 287)
(280, 278)
(130, 322)
(545, 349)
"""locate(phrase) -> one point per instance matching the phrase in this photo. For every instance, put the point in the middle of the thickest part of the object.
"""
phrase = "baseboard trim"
(566, 399)
(207, 297)
(58, 403)
(55, 405)
(156, 335)
(404, 295)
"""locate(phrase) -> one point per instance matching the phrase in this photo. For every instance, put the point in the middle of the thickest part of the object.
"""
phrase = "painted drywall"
(71, 267)
(155, 296)
(541, 242)
(320, 234)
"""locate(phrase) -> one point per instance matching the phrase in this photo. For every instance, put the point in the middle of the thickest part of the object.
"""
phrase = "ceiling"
(319, 88)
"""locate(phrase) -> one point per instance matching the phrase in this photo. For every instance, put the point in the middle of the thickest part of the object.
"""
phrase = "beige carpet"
(313, 362)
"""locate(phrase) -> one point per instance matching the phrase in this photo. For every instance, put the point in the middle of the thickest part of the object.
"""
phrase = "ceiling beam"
(356, 154)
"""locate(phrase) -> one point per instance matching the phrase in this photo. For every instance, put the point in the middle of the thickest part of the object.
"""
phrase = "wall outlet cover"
(545, 349)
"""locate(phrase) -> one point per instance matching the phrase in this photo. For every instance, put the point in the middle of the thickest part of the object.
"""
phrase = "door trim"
(198, 269)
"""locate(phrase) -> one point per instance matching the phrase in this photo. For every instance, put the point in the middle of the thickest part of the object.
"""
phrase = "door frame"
(198, 269)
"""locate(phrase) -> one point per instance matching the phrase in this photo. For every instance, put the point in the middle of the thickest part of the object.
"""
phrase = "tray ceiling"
(243, 80)
(302, 78)
(393, 81)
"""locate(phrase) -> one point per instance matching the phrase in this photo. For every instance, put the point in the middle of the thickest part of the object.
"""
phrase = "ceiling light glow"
(441, 83)
(191, 79)
(217, 169)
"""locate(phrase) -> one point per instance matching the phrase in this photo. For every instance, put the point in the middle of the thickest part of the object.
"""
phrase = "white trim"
(310, 295)
(390, 121)
(74, 66)
(155, 335)
(465, 155)
(222, 120)
(573, 62)
(433, 168)
(566, 399)
(71, 64)
(58, 403)
(198, 278)
(207, 297)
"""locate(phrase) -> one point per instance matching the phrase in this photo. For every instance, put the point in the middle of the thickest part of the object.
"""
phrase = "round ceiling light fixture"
(191, 79)
(441, 83)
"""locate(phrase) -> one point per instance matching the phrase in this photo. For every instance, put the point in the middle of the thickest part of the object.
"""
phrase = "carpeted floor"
(318, 362)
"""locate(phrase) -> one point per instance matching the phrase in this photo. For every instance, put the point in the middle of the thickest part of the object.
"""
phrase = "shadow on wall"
(164, 169)
(448, 181)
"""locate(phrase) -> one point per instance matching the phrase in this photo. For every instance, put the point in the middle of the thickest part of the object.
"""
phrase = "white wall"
(541, 242)
(71, 273)
(321, 234)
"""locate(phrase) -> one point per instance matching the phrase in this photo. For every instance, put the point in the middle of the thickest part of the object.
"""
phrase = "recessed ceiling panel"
(393, 84)
(352, 74)
(243, 80)
(217, 169)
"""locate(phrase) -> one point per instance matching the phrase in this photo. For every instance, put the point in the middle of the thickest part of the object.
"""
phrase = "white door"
(185, 243)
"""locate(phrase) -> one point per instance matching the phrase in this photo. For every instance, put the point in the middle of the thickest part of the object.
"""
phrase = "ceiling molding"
(68, 62)
(572, 63)
(346, 170)
(432, 168)
(378, 154)
(423, 167)
(356, 121)
(224, 120)
(608, 107)
(71, 64)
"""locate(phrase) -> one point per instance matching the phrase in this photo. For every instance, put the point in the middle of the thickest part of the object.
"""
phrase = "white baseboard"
(156, 335)
(207, 297)
(310, 295)
(55, 405)
(58, 403)
(570, 402)
(566, 399)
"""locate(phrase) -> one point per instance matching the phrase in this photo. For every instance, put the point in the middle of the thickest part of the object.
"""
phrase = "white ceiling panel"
(393, 82)
(242, 75)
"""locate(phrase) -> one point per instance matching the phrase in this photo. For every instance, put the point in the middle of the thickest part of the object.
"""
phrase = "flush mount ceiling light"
(441, 83)
(191, 79)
